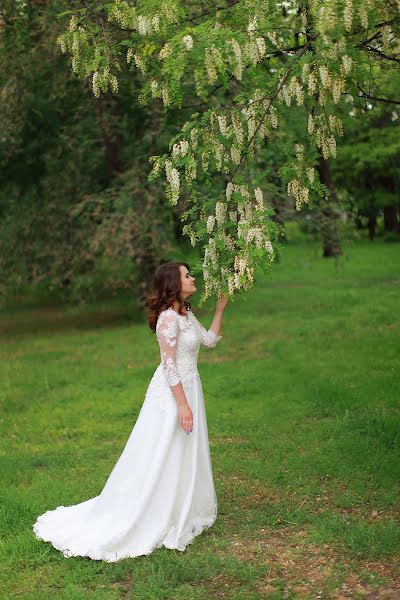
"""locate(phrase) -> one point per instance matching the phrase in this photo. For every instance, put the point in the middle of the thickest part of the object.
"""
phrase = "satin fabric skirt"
(159, 493)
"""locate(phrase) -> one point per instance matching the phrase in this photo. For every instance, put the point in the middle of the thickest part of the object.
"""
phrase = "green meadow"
(303, 407)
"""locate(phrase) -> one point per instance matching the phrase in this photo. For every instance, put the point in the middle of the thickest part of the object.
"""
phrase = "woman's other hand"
(186, 417)
(222, 302)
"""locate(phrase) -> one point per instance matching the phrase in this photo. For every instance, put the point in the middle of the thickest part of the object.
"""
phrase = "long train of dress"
(161, 490)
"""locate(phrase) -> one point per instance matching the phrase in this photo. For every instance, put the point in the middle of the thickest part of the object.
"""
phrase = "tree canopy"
(233, 69)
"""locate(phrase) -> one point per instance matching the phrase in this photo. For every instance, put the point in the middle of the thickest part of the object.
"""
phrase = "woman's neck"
(175, 306)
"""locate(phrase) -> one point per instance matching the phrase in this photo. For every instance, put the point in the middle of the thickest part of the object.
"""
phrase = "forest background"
(80, 217)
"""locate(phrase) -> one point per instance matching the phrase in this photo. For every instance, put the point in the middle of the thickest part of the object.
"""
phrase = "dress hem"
(195, 529)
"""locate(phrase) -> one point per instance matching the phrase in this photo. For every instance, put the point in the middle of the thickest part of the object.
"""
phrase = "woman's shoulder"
(171, 314)
(175, 312)
(167, 313)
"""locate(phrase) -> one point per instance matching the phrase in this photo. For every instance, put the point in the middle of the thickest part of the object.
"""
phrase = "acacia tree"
(232, 70)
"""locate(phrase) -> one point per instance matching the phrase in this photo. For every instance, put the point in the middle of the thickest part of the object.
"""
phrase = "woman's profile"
(161, 490)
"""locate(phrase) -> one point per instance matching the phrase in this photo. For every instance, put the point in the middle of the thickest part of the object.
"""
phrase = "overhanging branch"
(364, 94)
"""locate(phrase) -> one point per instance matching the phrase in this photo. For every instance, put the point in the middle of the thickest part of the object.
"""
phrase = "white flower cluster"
(335, 124)
(299, 151)
(229, 241)
(96, 84)
(222, 125)
(292, 89)
(325, 76)
(212, 61)
(347, 62)
(154, 87)
(299, 192)
(210, 223)
(254, 51)
(235, 155)
(73, 24)
(240, 264)
(165, 95)
(139, 63)
(187, 41)
(269, 249)
(180, 148)
(312, 83)
(173, 179)
(261, 47)
(272, 117)
(363, 15)
(187, 230)
(165, 51)
(62, 42)
(252, 26)
(259, 199)
(210, 253)
(236, 62)
(234, 187)
(101, 81)
(237, 128)
(348, 14)
(190, 170)
(249, 114)
(220, 212)
(194, 137)
(273, 38)
(310, 124)
(327, 16)
(326, 142)
(148, 25)
(123, 13)
(256, 234)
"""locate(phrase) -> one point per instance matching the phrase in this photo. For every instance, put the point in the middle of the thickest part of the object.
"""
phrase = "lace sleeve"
(209, 338)
(167, 332)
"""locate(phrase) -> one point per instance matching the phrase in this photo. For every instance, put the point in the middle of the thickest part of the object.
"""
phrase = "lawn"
(302, 397)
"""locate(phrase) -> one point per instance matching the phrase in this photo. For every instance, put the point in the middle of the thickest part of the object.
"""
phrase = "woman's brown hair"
(166, 289)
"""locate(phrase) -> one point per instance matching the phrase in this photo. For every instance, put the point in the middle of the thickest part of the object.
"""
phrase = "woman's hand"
(186, 417)
(222, 302)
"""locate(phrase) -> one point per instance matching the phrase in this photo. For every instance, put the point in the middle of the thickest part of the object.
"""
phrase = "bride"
(161, 490)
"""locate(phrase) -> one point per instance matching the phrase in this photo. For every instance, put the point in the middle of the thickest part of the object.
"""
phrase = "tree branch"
(363, 94)
(380, 53)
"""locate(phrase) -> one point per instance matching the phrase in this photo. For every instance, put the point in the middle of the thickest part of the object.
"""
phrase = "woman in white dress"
(161, 490)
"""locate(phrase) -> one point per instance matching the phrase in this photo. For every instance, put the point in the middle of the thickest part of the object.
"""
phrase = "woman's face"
(187, 282)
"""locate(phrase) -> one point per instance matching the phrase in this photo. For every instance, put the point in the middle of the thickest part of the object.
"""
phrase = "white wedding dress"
(161, 490)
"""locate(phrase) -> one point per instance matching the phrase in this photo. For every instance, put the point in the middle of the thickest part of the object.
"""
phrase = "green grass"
(302, 397)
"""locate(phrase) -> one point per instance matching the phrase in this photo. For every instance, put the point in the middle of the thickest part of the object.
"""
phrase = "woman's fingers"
(187, 425)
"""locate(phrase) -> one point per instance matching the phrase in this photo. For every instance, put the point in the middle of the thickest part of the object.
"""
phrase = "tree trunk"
(372, 225)
(390, 218)
(329, 225)
(109, 118)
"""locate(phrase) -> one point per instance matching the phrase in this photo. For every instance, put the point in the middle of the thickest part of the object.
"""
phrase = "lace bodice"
(180, 337)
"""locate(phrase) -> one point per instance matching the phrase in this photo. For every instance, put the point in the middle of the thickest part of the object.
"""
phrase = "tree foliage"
(233, 69)
(78, 216)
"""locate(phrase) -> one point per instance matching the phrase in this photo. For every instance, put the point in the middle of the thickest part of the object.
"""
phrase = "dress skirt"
(159, 493)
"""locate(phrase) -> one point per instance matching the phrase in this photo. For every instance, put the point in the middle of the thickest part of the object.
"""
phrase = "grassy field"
(302, 397)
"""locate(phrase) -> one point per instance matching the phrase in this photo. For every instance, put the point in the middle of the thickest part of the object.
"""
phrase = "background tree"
(371, 146)
(78, 213)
